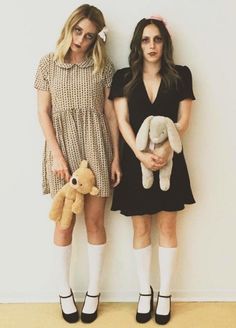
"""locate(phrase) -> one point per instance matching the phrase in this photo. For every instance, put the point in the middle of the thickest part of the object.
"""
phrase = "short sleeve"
(118, 83)
(108, 73)
(42, 75)
(186, 85)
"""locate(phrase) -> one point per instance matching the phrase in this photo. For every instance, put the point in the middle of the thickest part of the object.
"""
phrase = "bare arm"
(184, 114)
(113, 127)
(148, 159)
(44, 113)
(182, 124)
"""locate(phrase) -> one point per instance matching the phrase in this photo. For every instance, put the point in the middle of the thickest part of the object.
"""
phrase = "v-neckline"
(157, 94)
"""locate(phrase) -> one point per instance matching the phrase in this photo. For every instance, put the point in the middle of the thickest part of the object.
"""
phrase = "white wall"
(203, 38)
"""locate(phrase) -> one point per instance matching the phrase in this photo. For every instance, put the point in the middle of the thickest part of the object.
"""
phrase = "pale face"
(152, 44)
(83, 35)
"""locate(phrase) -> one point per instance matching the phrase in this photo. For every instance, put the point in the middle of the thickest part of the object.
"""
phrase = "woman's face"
(83, 35)
(152, 44)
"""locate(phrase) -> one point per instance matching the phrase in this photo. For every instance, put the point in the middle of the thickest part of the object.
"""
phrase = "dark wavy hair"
(167, 71)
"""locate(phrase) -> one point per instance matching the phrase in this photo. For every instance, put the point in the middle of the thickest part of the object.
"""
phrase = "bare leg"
(142, 231)
(63, 237)
(94, 209)
(167, 228)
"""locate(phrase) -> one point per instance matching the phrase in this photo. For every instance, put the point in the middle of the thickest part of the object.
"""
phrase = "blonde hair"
(97, 50)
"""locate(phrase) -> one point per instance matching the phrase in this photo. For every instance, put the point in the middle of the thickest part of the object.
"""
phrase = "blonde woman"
(78, 122)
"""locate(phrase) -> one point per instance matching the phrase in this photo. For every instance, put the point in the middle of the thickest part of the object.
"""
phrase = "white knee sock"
(167, 261)
(95, 259)
(143, 265)
(62, 265)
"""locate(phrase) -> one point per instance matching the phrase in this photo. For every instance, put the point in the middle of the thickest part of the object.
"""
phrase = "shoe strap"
(71, 294)
(94, 296)
(145, 294)
(150, 294)
(163, 296)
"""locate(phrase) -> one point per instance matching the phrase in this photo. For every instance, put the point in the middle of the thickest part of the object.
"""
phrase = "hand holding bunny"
(154, 131)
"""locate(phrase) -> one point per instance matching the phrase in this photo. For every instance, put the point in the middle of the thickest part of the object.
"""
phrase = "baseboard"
(204, 295)
(131, 296)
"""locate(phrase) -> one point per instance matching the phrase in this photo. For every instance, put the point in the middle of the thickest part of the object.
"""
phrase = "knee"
(63, 237)
(167, 230)
(142, 232)
(94, 225)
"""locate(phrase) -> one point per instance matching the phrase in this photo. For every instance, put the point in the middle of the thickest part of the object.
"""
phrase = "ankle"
(145, 306)
(163, 304)
(68, 305)
(90, 308)
(65, 292)
(90, 303)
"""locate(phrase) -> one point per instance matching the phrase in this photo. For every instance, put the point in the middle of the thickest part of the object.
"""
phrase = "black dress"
(130, 197)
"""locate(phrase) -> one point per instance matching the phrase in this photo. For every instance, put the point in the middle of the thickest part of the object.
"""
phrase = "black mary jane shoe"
(70, 317)
(89, 317)
(160, 318)
(145, 317)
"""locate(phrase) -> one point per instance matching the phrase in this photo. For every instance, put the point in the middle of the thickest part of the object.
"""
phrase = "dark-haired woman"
(152, 85)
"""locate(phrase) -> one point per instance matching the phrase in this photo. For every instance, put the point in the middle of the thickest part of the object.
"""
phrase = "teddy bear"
(70, 198)
(154, 131)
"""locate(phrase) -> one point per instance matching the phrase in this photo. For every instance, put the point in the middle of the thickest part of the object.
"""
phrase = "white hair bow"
(102, 33)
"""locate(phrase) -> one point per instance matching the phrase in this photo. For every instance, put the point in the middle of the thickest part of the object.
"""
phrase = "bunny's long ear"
(173, 136)
(143, 132)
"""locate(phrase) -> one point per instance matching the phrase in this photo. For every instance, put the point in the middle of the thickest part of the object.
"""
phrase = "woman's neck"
(74, 58)
(151, 69)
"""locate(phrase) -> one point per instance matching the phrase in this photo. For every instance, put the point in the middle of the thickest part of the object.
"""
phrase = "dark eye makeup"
(157, 39)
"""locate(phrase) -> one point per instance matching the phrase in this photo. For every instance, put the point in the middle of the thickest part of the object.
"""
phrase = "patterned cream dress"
(77, 96)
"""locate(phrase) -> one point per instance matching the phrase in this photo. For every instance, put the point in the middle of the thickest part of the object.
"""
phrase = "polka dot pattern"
(78, 119)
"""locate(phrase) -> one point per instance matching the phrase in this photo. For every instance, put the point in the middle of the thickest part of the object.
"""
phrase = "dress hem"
(48, 193)
(150, 212)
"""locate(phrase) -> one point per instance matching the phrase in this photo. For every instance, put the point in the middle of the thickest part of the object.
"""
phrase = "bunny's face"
(158, 130)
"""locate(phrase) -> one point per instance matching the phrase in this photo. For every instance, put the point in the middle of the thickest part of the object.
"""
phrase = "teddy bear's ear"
(83, 164)
(94, 191)
(143, 133)
(173, 136)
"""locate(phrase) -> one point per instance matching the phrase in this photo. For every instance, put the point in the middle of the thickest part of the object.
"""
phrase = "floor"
(122, 315)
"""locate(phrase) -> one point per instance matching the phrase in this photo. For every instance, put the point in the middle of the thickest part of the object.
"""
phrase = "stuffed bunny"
(150, 137)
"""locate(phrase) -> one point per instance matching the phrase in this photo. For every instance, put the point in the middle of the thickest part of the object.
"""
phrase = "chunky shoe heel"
(160, 318)
(145, 317)
(70, 317)
(89, 317)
